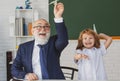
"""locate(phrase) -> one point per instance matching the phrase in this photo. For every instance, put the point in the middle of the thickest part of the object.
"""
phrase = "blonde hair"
(88, 31)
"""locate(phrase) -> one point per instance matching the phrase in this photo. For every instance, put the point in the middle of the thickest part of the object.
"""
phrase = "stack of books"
(22, 28)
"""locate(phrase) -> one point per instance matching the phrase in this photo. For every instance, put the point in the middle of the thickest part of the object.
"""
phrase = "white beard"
(42, 41)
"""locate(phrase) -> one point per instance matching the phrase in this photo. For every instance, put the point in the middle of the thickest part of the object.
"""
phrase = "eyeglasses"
(40, 27)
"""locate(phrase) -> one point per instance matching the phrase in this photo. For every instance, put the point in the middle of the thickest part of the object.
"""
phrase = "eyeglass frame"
(47, 27)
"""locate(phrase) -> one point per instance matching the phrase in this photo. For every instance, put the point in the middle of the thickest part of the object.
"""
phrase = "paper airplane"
(53, 2)
(94, 28)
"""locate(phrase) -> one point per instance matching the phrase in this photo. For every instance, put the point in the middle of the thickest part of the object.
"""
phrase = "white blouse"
(92, 68)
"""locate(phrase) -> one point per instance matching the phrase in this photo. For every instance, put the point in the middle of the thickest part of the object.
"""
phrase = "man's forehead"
(40, 22)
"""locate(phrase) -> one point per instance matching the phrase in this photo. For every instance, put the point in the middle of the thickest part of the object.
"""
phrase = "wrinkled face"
(41, 31)
(88, 40)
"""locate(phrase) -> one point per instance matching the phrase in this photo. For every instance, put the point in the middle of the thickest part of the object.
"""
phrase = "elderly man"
(40, 58)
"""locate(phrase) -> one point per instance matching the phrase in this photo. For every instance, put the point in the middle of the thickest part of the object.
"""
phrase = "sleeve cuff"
(58, 20)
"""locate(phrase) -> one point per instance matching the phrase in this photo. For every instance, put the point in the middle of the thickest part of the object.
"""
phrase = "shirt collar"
(93, 48)
(36, 43)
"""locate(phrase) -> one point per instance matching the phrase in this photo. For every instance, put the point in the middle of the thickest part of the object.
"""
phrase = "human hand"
(31, 76)
(77, 56)
(84, 56)
(58, 10)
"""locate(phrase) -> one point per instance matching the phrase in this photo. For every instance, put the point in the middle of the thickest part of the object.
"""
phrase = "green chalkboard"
(81, 14)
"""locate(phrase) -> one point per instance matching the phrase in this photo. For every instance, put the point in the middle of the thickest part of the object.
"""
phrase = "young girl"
(89, 55)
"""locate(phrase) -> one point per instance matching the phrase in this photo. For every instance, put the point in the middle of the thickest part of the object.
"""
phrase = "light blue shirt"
(92, 68)
(36, 61)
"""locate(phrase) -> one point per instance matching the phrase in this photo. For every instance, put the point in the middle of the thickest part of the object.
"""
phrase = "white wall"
(111, 59)
(7, 9)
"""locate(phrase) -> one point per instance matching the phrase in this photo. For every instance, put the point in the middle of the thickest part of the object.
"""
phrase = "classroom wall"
(111, 59)
(6, 9)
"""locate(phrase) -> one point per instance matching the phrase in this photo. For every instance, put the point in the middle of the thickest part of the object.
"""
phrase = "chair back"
(69, 72)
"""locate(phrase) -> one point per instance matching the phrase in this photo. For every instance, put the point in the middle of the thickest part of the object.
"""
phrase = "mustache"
(41, 33)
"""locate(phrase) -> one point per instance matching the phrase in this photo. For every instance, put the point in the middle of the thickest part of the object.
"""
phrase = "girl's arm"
(107, 38)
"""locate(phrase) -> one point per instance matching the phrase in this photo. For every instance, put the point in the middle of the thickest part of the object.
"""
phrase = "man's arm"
(62, 35)
(17, 68)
